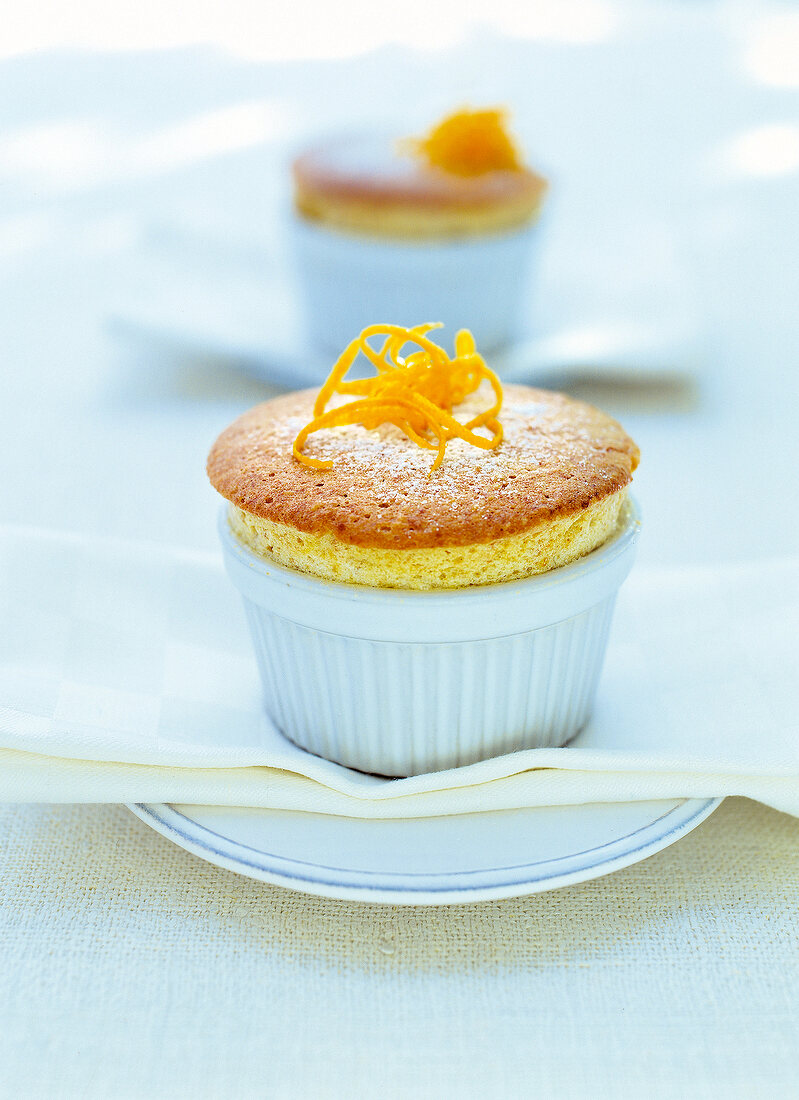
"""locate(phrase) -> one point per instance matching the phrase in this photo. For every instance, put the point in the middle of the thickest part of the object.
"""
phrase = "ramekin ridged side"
(401, 683)
(347, 282)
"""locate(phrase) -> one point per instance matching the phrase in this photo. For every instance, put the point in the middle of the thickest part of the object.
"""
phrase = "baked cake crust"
(558, 458)
(363, 185)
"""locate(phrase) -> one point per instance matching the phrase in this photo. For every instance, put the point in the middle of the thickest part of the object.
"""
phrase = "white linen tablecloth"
(134, 969)
(126, 674)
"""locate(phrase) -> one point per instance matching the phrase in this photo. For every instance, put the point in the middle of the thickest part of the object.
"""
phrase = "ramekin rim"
(604, 555)
(333, 236)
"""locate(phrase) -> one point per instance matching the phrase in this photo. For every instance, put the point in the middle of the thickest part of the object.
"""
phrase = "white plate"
(635, 321)
(429, 861)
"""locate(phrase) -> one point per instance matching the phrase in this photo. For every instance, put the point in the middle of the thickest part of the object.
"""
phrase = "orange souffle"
(465, 177)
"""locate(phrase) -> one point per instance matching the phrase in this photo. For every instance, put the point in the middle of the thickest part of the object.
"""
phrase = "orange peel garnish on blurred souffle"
(469, 143)
(416, 392)
(466, 177)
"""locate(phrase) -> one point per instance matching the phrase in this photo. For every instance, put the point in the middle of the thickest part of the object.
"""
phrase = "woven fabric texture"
(675, 977)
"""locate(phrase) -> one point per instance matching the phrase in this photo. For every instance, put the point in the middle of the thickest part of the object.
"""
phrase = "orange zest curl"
(416, 393)
(469, 143)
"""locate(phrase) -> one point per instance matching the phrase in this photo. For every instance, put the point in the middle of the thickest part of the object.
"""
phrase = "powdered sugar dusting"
(557, 456)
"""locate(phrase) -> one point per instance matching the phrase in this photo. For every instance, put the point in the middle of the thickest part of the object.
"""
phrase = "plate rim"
(196, 838)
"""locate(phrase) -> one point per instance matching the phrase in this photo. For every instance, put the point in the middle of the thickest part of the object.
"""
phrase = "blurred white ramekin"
(399, 683)
(349, 282)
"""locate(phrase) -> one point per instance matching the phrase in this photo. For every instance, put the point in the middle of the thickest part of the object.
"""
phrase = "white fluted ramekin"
(399, 683)
(349, 282)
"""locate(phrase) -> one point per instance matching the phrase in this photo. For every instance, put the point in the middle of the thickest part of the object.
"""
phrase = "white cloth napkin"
(126, 675)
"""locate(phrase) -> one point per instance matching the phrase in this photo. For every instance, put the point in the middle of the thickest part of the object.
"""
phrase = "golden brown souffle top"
(558, 456)
(362, 169)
